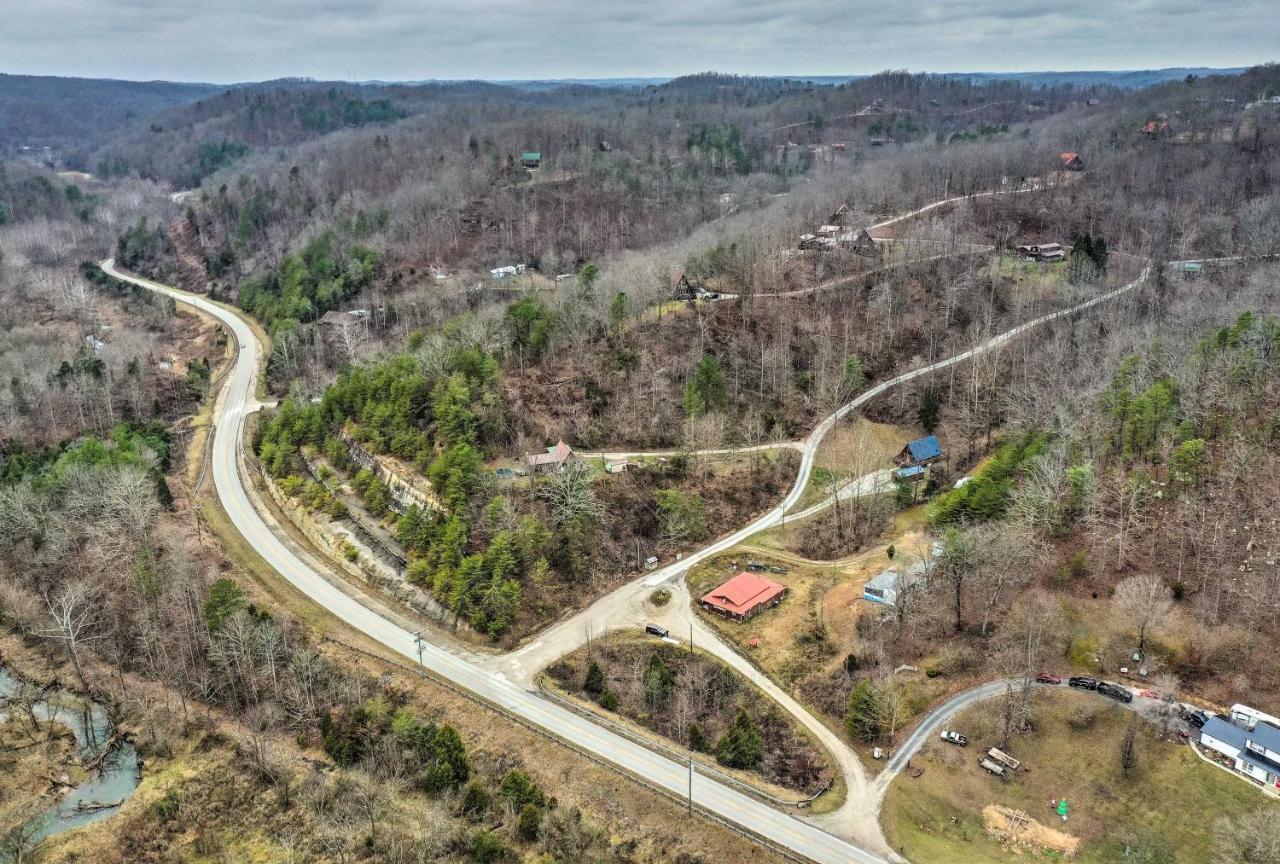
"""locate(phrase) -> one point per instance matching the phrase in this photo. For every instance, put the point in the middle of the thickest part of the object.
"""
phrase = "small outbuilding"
(531, 159)
(744, 596)
(1071, 161)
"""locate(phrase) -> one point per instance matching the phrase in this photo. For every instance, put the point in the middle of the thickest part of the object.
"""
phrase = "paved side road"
(942, 716)
(235, 402)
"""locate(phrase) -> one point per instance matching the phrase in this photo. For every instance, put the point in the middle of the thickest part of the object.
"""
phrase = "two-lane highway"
(236, 401)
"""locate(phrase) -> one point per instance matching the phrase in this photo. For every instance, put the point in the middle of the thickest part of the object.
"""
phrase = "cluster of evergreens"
(144, 446)
(988, 493)
(341, 109)
(437, 754)
(306, 285)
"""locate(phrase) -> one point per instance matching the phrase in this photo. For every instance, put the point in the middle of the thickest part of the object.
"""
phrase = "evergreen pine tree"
(741, 745)
(594, 684)
(697, 738)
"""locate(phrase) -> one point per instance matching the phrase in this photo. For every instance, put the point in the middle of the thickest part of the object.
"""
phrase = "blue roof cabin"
(921, 451)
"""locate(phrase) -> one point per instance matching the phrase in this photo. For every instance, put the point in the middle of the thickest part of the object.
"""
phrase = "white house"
(886, 587)
(509, 270)
(1252, 743)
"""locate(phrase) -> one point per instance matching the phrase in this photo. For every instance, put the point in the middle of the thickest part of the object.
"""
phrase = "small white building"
(1251, 740)
(508, 270)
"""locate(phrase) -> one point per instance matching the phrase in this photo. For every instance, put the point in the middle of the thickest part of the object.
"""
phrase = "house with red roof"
(1072, 162)
(743, 596)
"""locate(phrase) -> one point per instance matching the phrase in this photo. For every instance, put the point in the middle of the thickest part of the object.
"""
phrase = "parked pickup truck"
(954, 738)
(1115, 691)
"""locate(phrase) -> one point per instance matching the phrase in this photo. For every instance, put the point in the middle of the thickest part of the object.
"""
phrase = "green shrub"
(475, 801)
(486, 847)
(529, 823)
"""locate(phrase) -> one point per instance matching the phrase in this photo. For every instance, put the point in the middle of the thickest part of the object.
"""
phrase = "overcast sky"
(245, 40)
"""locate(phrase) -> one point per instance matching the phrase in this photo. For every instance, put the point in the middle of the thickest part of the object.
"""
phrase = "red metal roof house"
(743, 596)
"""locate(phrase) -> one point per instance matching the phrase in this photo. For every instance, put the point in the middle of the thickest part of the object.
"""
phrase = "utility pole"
(690, 782)
(417, 641)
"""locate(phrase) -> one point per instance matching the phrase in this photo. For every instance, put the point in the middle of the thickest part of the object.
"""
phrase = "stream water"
(107, 785)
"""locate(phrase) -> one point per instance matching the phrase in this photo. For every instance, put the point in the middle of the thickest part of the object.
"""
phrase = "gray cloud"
(240, 40)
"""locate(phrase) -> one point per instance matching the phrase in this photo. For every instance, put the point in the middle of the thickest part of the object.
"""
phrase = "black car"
(1084, 682)
(1115, 691)
(1198, 719)
(656, 630)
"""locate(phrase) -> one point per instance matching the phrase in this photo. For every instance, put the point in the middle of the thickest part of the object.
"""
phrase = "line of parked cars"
(1106, 688)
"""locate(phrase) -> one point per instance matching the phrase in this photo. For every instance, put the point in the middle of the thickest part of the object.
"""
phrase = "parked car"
(954, 738)
(1198, 719)
(1084, 682)
(776, 569)
(755, 567)
(1048, 678)
(656, 630)
(1115, 691)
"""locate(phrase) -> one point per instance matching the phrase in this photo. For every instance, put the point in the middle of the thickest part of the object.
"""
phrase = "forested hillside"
(68, 114)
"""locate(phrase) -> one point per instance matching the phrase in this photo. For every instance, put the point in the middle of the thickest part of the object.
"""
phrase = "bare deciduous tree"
(1143, 602)
(73, 614)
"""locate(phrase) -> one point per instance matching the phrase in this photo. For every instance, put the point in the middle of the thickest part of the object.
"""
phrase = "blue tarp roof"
(924, 448)
(909, 471)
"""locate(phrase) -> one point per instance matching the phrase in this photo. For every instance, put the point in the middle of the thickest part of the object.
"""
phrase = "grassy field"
(802, 643)
(1162, 812)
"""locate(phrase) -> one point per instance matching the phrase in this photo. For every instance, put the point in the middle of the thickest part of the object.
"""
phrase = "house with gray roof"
(1255, 751)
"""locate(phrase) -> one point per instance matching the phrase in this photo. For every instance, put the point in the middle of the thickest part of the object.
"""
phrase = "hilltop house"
(922, 451)
(683, 288)
(860, 242)
(1250, 739)
(1071, 162)
(1043, 252)
(743, 596)
(507, 271)
(531, 159)
(842, 216)
(551, 460)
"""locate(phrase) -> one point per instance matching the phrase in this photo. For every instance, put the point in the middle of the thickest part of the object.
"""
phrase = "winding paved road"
(505, 681)
(236, 401)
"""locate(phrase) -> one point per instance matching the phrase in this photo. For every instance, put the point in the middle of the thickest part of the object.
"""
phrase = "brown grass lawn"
(802, 643)
(1165, 810)
(858, 446)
